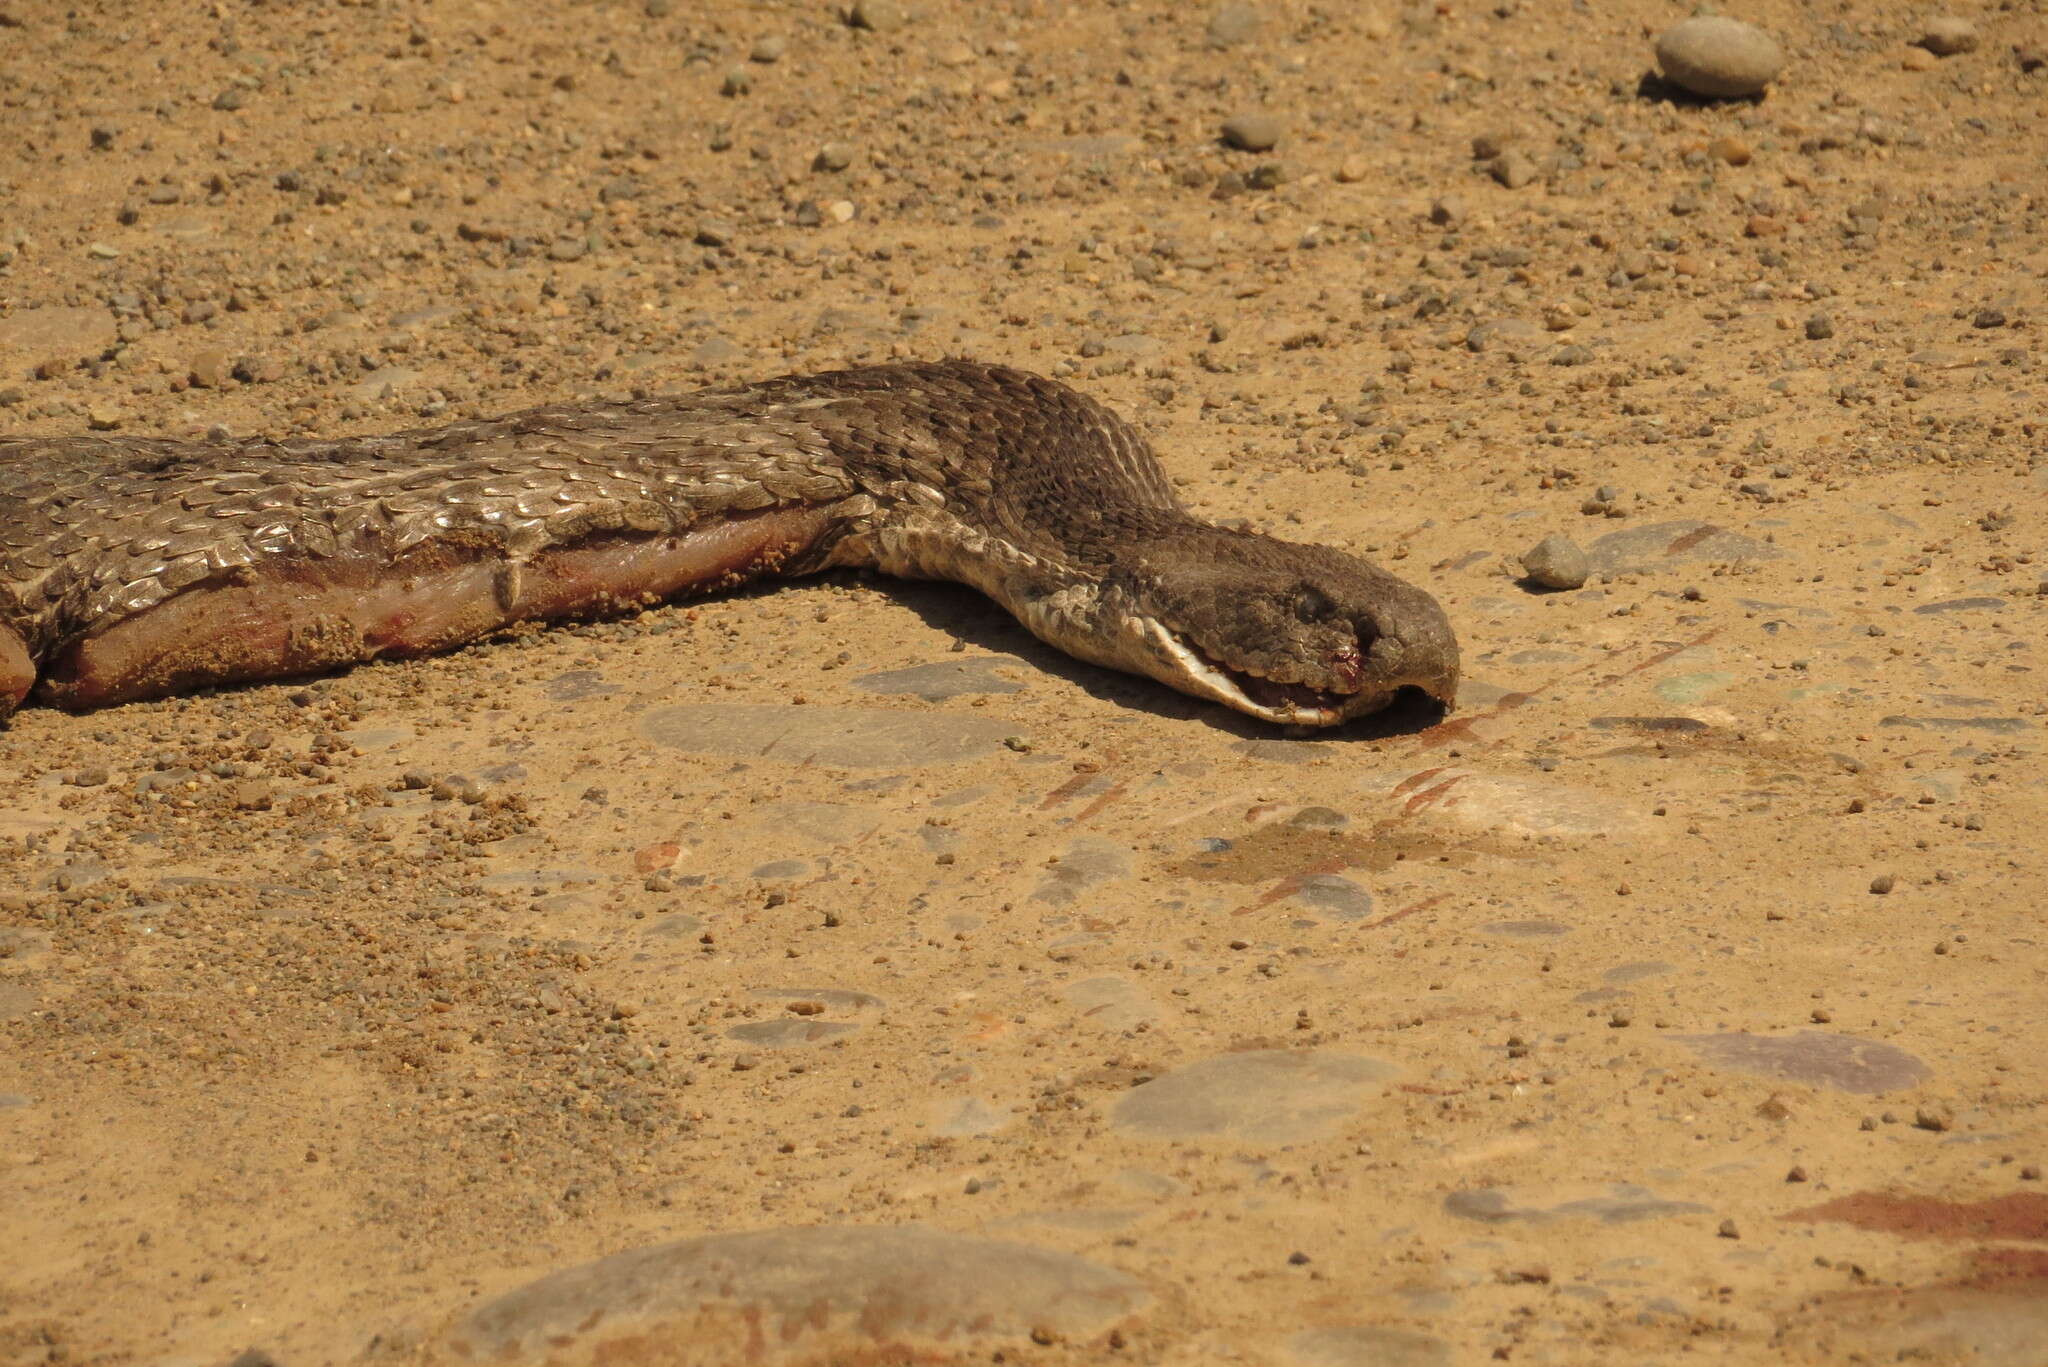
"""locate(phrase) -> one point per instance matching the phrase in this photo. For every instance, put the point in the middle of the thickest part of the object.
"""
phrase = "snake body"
(133, 567)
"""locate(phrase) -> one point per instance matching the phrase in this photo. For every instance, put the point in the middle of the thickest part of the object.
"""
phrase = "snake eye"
(1312, 605)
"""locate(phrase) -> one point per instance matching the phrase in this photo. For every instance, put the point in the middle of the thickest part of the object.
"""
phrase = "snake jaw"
(1191, 669)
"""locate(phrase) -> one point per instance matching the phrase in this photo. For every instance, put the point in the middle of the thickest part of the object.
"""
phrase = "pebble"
(833, 156)
(1512, 169)
(1819, 327)
(1252, 132)
(1948, 35)
(1232, 24)
(1719, 58)
(768, 49)
(877, 16)
(1557, 562)
(738, 81)
(1918, 59)
(946, 679)
(209, 369)
(788, 1296)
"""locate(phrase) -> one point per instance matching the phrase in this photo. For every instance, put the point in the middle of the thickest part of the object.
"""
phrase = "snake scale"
(134, 568)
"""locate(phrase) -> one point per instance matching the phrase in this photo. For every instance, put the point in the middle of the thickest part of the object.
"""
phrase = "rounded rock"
(1948, 35)
(1252, 132)
(800, 1295)
(1720, 58)
(1556, 562)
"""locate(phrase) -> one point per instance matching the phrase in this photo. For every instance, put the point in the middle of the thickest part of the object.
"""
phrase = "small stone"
(1949, 35)
(1819, 328)
(877, 16)
(209, 369)
(1252, 132)
(1882, 884)
(101, 251)
(253, 795)
(1728, 1230)
(738, 81)
(233, 98)
(1487, 146)
(1351, 170)
(1720, 58)
(1556, 562)
(768, 49)
(1733, 151)
(1918, 59)
(1512, 169)
(103, 417)
(713, 233)
(1935, 1117)
(88, 778)
(1988, 318)
(833, 156)
(1232, 24)
(1447, 212)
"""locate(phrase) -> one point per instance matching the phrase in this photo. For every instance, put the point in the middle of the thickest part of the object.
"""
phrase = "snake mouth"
(1270, 699)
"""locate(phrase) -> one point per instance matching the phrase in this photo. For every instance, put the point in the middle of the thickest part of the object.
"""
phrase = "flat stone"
(1657, 544)
(1982, 604)
(67, 331)
(1506, 802)
(800, 1296)
(1720, 58)
(849, 737)
(1087, 863)
(1364, 1345)
(1998, 726)
(1635, 971)
(1111, 1003)
(944, 679)
(1526, 930)
(1818, 1058)
(1267, 1096)
(1614, 1203)
(1336, 896)
(794, 1032)
(966, 1118)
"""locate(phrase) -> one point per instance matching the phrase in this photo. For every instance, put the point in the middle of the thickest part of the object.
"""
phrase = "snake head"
(1292, 633)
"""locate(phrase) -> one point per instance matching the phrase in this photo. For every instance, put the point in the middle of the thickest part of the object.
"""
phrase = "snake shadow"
(967, 616)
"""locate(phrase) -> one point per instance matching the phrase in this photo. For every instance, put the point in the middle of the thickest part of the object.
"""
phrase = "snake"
(135, 567)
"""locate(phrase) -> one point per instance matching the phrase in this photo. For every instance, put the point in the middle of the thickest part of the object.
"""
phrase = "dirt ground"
(1679, 998)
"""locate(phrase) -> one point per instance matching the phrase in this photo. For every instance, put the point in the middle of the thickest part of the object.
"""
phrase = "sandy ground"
(1680, 998)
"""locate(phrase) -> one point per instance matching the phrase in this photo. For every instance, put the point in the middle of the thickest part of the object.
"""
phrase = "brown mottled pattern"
(943, 469)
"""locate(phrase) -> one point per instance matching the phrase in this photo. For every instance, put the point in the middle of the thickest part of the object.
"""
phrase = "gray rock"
(1617, 1203)
(788, 1296)
(1657, 544)
(1252, 132)
(1948, 35)
(1232, 24)
(944, 679)
(851, 737)
(1268, 1096)
(1818, 1058)
(69, 331)
(1723, 59)
(1364, 1345)
(1556, 562)
(877, 16)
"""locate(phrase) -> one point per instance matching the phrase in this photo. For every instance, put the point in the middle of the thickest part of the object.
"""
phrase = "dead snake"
(135, 568)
